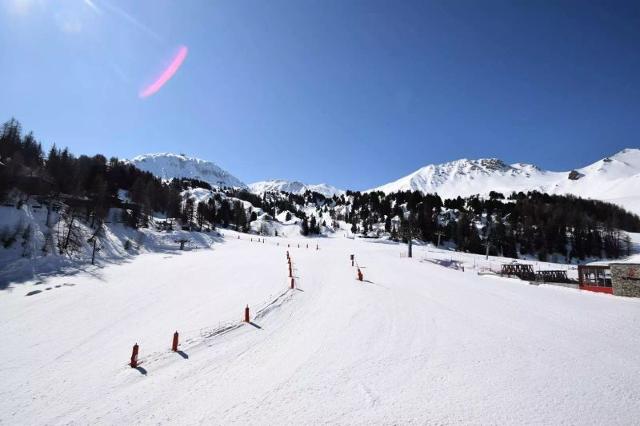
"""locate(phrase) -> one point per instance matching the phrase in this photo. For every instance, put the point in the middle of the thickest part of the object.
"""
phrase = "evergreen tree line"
(85, 182)
(521, 224)
(216, 211)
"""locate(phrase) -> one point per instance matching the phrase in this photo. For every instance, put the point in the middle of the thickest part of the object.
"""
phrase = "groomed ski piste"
(413, 343)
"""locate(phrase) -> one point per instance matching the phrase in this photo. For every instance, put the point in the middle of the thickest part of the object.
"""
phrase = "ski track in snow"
(415, 343)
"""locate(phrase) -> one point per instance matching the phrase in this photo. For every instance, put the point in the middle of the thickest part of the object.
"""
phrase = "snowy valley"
(273, 322)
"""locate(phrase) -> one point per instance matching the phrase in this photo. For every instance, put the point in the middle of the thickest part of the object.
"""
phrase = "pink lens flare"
(166, 75)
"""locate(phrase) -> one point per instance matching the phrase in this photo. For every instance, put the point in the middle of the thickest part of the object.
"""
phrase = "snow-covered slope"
(293, 187)
(614, 179)
(168, 166)
(415, 343)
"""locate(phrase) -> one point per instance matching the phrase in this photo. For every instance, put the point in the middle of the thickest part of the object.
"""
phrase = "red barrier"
(174, 344)
(246, 314)
(608, 290)
(134, 356)
(360, 276)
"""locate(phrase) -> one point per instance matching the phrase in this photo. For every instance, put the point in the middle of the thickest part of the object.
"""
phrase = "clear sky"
(352, 93)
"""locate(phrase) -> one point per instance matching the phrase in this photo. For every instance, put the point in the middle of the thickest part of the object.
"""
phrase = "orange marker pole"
(134, 356)
(174, 344)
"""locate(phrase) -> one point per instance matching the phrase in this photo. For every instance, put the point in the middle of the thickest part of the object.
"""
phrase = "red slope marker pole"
(360, 276)
(292, 284)
(134, 356)
(174, 344)
(246, 314)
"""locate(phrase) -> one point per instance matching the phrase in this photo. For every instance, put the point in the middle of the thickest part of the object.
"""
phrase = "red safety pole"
(246, 314)
(134, 356)
(359, 275)
(290, 272)
(292, 284)
(174, 344)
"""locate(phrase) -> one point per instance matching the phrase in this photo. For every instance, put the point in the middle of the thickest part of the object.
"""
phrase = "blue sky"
(352, 93)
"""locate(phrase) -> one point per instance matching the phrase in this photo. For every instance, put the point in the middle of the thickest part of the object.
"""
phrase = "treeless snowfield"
(413, 343)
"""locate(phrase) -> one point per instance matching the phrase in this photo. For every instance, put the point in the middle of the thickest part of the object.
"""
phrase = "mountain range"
(615, 179)
(293, 187)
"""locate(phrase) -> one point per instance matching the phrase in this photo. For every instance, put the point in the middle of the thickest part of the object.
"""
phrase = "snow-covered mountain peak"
(293, 187)
(527, 168)
(168, 165)
(614, 178)
(629, 157)
(621, 164)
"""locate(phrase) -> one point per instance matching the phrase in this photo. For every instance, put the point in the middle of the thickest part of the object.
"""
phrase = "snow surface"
(168, 166)
(293, 187)
(615, 179)
(415, 343)
(24, 259)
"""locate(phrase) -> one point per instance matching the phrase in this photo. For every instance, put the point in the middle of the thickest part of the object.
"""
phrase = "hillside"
(614, 179)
